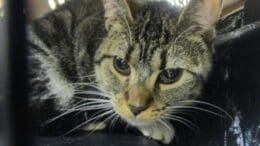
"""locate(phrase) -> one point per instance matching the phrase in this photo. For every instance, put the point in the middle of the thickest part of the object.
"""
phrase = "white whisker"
(127, 127)
(93, 99)
(114, 120)
(209, 104)
(106, 119)
(86, 102)
(182, 122)
(57, 117)
(92, 105)
(89, 120)
(94, 108)
(82, 107)
(165, 123)
(196, 108)
(90, 102)
(91, 85)
(92, 93)
(183, 119)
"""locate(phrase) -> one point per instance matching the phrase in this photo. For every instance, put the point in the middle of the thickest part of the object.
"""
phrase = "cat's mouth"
(136, 120)
(140, 117)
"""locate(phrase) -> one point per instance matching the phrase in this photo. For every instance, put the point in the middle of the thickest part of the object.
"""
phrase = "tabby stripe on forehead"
(163, 59)
(152, 51)
(129, 52)
(105, 56)
(145, 55)
(144, 49)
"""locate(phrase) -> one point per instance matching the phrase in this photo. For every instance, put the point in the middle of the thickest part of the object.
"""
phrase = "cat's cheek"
(104, 76)
(149, 115)
(120, 106)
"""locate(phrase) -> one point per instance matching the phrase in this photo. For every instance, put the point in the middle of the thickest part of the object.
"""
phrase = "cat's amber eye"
(170, 76)
(121, 66)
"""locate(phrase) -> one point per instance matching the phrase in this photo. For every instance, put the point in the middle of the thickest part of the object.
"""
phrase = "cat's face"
(152, 60)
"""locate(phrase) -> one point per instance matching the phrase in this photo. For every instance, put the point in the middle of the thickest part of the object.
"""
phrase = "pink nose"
(137, 110)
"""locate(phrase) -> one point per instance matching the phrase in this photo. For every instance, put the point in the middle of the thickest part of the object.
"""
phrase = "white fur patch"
(58, 85)
(163, 132)
(95, 126)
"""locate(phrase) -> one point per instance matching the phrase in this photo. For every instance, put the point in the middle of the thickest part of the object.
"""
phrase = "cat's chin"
(135, 122)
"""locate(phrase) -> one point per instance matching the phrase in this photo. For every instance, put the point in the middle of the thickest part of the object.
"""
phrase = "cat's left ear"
(117, 14)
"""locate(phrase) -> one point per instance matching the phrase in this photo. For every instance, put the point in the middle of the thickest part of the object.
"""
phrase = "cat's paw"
(163, 132)
(94, 126)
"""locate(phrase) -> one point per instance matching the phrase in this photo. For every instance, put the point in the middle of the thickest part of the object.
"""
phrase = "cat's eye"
(121, 66)
(170, 76)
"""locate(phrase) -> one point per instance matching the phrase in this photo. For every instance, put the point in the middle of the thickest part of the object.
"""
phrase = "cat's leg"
(163, 132)
(95, 126)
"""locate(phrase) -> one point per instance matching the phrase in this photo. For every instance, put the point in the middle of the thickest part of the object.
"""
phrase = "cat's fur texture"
(117, 56)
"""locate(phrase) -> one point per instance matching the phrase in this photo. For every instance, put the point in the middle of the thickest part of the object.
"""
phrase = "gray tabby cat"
(142, 62)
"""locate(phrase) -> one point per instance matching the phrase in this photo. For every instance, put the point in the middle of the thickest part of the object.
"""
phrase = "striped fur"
(83, 37)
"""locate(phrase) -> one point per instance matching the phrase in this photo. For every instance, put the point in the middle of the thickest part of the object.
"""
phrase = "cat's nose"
(136, 110)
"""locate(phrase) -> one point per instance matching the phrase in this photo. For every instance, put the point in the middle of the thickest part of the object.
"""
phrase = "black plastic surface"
(96, 140)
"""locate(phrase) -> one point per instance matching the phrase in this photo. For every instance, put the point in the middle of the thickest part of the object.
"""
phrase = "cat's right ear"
(205, 12)
(118, 15)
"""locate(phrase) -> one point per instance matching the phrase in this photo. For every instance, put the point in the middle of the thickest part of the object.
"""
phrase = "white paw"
(94, 126)
(159, 131)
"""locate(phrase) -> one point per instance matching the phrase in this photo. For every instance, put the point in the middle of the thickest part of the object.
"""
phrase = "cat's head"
(155, 57)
